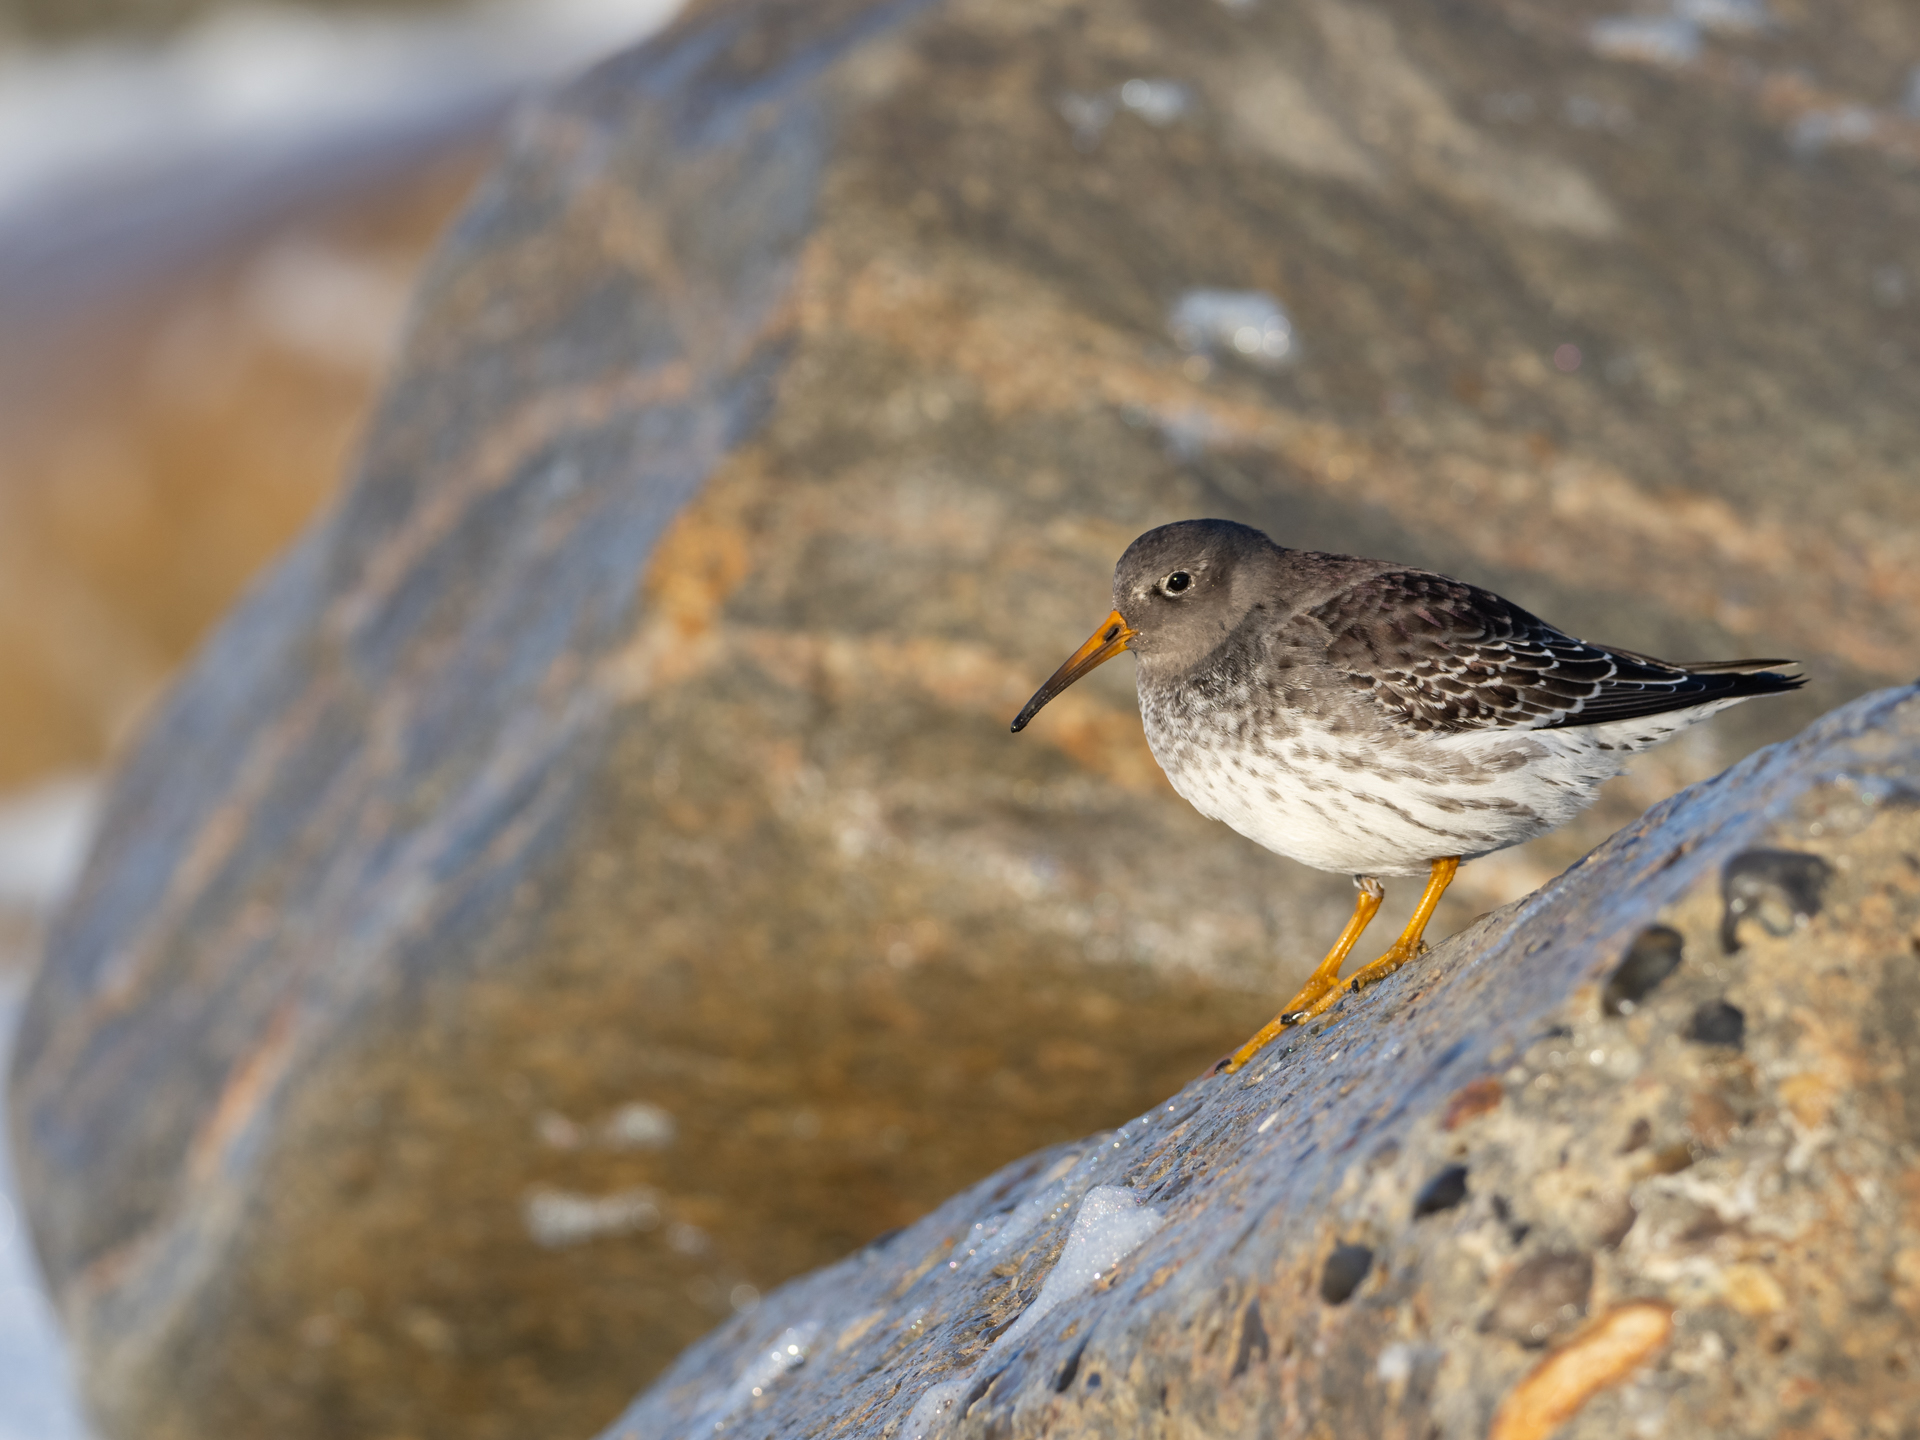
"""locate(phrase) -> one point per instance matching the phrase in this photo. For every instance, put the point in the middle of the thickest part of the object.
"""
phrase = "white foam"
(328, 304)
(556, 1219)
(1248, 323)
(638, 1126)
(1158, 102)
(1652, 39)
(1816, 130)
(1732, 17)
(766, 1369)
(44, 835)
(247, 80)
(934, 1409)
(1109, 1226)
(634, 1126)
(36, 1395)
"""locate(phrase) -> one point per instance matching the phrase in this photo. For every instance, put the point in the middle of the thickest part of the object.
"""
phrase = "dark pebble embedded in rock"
(1517, 1230)
(1653, 956)
(1346, 1267)
(1064, 1378)
(1779, 888)
(1718, 1023)
(1442, 1192)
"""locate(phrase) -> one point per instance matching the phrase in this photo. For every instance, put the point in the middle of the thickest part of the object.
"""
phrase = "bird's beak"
(1105, 643)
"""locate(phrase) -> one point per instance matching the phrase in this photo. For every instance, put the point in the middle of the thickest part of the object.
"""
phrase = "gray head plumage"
(1184, 588)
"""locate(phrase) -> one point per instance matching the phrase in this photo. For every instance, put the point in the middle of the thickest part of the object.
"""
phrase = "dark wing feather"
(1441, 655)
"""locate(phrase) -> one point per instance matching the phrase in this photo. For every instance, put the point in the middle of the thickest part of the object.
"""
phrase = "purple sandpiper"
(1374, 719)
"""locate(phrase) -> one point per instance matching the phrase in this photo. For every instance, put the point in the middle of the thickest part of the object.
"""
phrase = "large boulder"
(1633, 1157)
(590, 880)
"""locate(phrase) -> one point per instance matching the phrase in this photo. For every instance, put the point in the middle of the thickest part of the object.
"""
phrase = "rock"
(634, 732)
(1289, 1281)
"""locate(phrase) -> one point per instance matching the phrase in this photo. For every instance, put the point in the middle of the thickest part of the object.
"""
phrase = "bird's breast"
(1344, 796)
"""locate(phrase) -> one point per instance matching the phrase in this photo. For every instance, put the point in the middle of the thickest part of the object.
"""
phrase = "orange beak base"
(1105, 643)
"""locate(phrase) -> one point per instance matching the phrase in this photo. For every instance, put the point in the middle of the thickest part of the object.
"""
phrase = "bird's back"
(1367, 717)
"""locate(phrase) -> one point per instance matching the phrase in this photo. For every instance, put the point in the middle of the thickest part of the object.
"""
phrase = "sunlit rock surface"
(591, 881)
(1526, 1188)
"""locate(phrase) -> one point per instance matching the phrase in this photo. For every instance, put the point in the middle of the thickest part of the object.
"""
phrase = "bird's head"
(1178, 591)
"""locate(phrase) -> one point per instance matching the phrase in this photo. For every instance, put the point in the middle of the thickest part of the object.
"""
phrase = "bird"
(1375, 719)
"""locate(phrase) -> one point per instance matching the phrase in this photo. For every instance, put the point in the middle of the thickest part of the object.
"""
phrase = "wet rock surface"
(1641, 1235)
(590, 881)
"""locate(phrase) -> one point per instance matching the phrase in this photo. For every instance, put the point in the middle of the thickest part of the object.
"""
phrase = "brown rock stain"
(1810, 1096)
(1470, 1100)
(493, 461)
(1027, 352)
(1603, 1355)
(248, 1084)
(1752, 1290)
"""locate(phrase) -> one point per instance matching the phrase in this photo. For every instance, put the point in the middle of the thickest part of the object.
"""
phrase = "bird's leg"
(1406, 948)
(1325, 979)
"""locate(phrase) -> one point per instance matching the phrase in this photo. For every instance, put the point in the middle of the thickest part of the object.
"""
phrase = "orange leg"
(1407, 947)
(1324, 988)
(1326, 975)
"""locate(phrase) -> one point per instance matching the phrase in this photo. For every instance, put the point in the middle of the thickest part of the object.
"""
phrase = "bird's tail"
(1746, 678)
(1742, 667)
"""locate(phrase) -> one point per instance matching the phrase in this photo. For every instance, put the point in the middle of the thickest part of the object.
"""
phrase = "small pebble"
(1442, 1192)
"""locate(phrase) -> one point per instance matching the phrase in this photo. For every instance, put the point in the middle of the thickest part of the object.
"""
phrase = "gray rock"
(633, 734)
(1289, 1271)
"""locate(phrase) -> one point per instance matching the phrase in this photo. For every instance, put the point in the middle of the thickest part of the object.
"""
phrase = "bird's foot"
(1370, 975)
(1312, 999)
(1325, 989)
(1315, 1001)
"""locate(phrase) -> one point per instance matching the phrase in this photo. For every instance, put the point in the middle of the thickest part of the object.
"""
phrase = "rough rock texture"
(592, 880)
(1502, 1195)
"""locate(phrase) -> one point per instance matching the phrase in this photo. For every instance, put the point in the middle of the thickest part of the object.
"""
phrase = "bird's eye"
(1176, 582)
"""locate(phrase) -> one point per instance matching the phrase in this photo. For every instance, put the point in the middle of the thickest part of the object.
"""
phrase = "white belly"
(1351, 803)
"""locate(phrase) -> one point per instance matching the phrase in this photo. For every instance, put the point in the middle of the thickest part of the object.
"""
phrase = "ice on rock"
(935, 1408)
(264, 80)
(992, 1237)
(1653, 39)
(1109, 1226)
(1087, 116)
(1158, 102)
(1814, 131)
(1731, 17)
(556, 1219)
(638, 1126)
(1247, 323)
(763, 1371)
(36, 1391)
(44, 835)
(787, 1354)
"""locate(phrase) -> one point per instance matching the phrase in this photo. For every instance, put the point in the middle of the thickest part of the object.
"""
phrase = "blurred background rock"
(210, 218)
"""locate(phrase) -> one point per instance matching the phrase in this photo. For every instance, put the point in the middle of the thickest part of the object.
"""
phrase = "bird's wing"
(1437, 654)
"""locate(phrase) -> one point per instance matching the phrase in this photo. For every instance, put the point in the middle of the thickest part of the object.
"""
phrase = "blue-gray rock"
(1487, 1161)
(590, 880)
